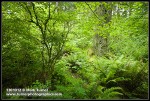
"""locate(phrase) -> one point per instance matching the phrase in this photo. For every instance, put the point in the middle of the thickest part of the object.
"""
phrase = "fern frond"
(112, 89)
(110, 75)
(119, 79)
(111, 92)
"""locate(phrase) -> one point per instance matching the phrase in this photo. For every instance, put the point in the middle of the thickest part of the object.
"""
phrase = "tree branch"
(28, 10)
(38, 24)
(33, 7)
(62, 44)
(93, 11)
(48, 18)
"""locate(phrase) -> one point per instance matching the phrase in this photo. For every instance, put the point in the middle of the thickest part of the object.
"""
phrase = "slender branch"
(28, 10)
(62, 44)
(42, 52)
(49, 31)
(38, 24)
(51, 47)
(33, 7)
(48, 18)
(93, 11)
(54, 23)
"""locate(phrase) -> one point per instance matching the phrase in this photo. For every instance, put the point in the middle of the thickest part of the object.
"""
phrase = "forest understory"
(75, 50)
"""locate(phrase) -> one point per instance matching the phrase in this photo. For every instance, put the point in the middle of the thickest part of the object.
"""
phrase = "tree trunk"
(100, 43)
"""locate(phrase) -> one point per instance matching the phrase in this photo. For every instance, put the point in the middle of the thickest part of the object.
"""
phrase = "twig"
(93, 11)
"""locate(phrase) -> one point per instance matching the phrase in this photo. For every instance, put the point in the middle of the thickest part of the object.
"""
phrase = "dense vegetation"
(84, 50)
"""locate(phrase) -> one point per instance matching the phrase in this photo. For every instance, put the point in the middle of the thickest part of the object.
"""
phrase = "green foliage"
(40, 85)
(72, 92)
(50, 45)
(129, 40)
(111, 93)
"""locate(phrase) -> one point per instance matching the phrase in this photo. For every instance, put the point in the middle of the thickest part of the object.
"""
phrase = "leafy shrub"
(40, 85)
